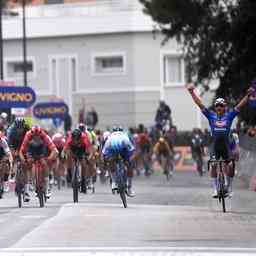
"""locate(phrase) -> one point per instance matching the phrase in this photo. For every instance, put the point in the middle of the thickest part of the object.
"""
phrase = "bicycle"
(221, 191)
(76, 179)
(37, 166)
(19, 180)
(121, 180)
(199, 163)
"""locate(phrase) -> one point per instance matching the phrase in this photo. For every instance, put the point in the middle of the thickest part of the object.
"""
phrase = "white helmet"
(220, 101)
(106, 135)
(4, 115)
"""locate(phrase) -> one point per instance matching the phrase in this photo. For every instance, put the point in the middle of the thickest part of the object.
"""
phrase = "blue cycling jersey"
(220, 125)
(118, 143)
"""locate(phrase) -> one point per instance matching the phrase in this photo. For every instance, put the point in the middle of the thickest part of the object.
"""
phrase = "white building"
(106, 53)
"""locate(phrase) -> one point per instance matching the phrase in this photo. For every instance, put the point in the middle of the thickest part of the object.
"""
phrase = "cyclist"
(15, 136)
(220, 121)
(5, 167)
(118, 143)
(37, 144)
(95, 156)
(163, 154)
(78, 145)
(59, 168)
(197, 149)
(144, 148)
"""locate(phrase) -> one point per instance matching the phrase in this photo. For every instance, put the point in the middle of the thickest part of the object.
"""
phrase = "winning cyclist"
(220, 121)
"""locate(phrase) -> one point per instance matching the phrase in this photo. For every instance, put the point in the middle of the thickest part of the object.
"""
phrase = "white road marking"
(129, 251)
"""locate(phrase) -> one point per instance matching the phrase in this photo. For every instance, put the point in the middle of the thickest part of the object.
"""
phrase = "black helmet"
(76, 134)
(120, 129)
(82, 127)
(115, 129)
(19, 122)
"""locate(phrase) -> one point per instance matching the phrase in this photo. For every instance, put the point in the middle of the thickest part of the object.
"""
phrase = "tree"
(218, 38)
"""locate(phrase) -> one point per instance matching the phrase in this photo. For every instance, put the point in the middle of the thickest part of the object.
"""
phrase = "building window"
(173, 69)
(109, 64)
(16, 68)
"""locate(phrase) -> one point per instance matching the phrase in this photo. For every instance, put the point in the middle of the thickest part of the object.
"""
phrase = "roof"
(99, 17)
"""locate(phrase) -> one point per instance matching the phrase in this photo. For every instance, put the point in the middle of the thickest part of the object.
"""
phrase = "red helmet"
(36, 130)
(58, 139)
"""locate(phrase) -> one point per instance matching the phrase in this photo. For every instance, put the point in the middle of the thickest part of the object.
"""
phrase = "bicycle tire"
(75, 194)
(223, 204)
(20, 200)
(123, 198)
(41, 198)
(75, 185)
(19, 194)
(221, 191)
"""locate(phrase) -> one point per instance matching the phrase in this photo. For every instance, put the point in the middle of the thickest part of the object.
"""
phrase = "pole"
(1, 42)
(24, 40)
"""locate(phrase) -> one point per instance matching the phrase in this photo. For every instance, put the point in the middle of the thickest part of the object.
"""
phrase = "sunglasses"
(220, 105)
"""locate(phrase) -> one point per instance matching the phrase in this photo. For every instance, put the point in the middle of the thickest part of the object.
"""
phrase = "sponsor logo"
(51, 110)
(221, 123)
(16, 97)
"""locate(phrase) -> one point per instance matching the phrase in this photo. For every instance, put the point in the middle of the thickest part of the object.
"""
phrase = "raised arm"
(196, 98)
(245, 99)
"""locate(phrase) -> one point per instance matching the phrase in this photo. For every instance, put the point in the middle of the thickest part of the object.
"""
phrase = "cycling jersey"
(118, 143)
(4, 148)
(162, 148)
(15, 137)
(79, 148)
(37, 149)
(220, 125)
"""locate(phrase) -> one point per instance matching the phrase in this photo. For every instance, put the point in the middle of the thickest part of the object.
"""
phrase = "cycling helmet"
(36, 130)
(115, 129)
(161, 140)
(4, 115)
(19, 122)
(106, 135)
(120, 129)
(220, 101)
(82, 127)
(76, 134)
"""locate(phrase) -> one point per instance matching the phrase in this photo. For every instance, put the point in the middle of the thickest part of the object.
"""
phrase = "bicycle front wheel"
(123, 197)
(75, 185)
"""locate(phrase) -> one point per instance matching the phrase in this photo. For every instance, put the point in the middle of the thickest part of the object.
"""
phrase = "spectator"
(81, 114)
(163, 115)
(67, 123)
(91, 118)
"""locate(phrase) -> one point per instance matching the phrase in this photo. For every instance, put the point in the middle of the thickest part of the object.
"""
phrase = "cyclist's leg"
(69, 168)
(127, 158)
(214, 155)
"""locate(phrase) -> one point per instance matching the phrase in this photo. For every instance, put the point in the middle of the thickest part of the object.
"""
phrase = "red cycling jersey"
(29, 135)
(83, 143)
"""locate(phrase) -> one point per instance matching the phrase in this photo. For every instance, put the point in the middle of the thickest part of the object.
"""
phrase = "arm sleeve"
(24, 144)
(232, 114)
(206, 112)
(49, 142)
(5, 146)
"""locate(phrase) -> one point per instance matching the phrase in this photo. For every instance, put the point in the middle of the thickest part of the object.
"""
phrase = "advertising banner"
(50, 110)
(16, 97)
